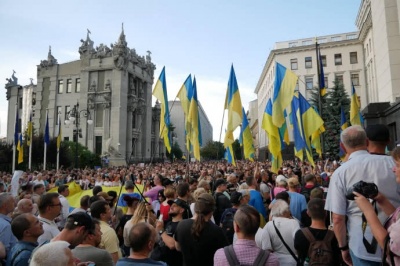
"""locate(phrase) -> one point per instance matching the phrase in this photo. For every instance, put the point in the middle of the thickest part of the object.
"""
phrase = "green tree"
(213, 150)
(335, 98)
(237, 150)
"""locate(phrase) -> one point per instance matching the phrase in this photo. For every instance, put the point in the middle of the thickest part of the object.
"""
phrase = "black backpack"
(227, 224)
(320, 251)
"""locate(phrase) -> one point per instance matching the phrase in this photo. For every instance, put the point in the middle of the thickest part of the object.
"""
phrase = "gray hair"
(45, 255)
(353, 137)
(279, 208)
(4, 198)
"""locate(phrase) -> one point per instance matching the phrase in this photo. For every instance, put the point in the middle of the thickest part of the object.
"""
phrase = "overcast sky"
(202, 38)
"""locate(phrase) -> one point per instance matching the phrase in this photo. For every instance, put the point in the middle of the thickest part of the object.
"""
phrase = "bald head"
(25, 206)
(354, 138)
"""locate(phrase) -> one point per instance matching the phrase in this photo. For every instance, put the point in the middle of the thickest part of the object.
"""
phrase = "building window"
(326, 82)
(69, 85)
(307, 42)
(308, 61)
(336, 38)
(293, 64)
(339, 79)
(309, 83)
(323, 40)
(99, 115)
(78, 85)
(353, 58)
(297, 86)
(323, 59)
(292, 44)
(60, 86)
(20, 103)
(355, 79)
(338, 59)
(67, 110)
(58, 112)
(66, 138)
(351, 36)
(98, 144)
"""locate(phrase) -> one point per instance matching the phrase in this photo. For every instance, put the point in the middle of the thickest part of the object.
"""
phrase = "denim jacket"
(20, 253)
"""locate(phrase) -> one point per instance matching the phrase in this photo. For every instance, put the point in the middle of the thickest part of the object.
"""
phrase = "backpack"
(261, 258)
(227, 223)
(306, 193)
(320, 251)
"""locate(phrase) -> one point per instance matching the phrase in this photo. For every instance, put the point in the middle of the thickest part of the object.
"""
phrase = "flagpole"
(319, 93)
(58, 148)
(45, 143)
(30, 148)
(15, 144)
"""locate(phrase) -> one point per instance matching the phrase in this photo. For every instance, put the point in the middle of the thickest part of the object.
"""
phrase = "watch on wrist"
(344, 248)
(161, 232)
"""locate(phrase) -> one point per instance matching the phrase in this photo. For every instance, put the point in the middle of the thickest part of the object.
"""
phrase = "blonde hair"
(198, 192)
(139, 214)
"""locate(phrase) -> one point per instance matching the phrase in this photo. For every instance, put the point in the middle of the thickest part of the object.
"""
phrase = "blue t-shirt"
(139, 262)
(257, 202)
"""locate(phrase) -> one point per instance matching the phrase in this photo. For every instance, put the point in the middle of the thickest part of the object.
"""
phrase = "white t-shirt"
(50, 229)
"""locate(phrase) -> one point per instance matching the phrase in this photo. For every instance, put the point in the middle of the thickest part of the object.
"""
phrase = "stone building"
(108, 86)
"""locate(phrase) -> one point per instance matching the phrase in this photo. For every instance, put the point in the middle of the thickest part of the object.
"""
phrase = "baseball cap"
(280, 178)
(378, 132)
(236, 197)
(178, 202)
(82, 219)
(220, 181)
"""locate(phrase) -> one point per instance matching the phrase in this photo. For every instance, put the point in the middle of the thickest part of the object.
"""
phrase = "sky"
(203, 38)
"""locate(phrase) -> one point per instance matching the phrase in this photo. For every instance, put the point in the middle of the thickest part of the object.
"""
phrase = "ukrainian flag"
(343, 126)
(160, 92)
(16, 128)
(20, 149)
(185, 96)
(275, 142)
(285, 83)
(355, 115)
(246, 138)
(234, 105)
(194, 123)
(46, 130)
(316, 138)
(59, 133)
(229, 155)
(298, 133)
(322, 87)
(30, 130)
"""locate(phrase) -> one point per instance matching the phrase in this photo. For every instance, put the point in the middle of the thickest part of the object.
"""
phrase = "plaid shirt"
(246, 252)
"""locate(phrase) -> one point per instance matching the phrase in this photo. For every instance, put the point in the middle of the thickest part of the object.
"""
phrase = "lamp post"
(74, 117)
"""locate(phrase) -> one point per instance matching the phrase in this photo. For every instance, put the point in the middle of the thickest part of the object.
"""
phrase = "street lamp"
(74, 117)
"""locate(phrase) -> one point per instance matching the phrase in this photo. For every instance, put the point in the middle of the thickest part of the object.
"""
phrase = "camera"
(368, 190)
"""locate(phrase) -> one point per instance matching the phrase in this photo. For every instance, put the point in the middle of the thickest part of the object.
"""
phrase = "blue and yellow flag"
(160, 92)
(59, 132)
(285, 83)
(246, 138)
(20, 149)
(322, 87)
(275, 142)
(194, 123)
(46, 130)
(30, 130)
(16, 127)
(229, 155)
(185, 96)
(343, 126)
(300, 142)
(355, 114)
(234, 105)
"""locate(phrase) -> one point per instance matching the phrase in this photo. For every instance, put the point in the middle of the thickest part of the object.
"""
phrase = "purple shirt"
(246, 252)
(153, 193)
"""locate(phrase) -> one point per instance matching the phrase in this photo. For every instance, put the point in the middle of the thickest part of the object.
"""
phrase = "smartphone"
(91, 264)
(160, 218)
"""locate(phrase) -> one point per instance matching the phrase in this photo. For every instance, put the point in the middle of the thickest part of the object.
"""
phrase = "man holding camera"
(361, 165)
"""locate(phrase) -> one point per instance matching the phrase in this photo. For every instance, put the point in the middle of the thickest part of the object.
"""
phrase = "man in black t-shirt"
(222, 202)
(318, 229)
(166, 251)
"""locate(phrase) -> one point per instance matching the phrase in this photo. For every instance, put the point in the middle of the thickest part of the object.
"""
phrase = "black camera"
(368, 190)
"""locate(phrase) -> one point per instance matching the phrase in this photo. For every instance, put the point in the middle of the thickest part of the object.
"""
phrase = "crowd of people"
(212, 213)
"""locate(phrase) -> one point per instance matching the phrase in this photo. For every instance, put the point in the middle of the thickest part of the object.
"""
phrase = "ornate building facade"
(109, 86)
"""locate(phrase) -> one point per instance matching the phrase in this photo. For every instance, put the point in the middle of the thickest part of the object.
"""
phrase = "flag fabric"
(246, 138)
(322, 87)
(300, 142)
(59, 133)
(355, 115)
(275, 142)
(160, 92)
(229, 155)
(185, 95)
(343, 126)
(46, 131)
(316, 138)
(20, 149)
(285, 83)
(16, 128)
(234, 105)
(194, 123)
(30, 130)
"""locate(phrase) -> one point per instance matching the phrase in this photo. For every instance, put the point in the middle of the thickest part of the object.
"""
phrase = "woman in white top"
(268, 238)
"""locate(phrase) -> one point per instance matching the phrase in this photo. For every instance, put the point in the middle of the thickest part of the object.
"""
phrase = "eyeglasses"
(59, 204)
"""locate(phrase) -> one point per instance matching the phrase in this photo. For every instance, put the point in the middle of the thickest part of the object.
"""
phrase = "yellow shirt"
(109, 239)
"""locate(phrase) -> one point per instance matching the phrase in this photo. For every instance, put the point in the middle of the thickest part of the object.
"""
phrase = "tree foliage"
(213, 150)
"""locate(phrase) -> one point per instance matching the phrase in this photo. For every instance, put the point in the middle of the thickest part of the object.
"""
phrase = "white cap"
(280, 178)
